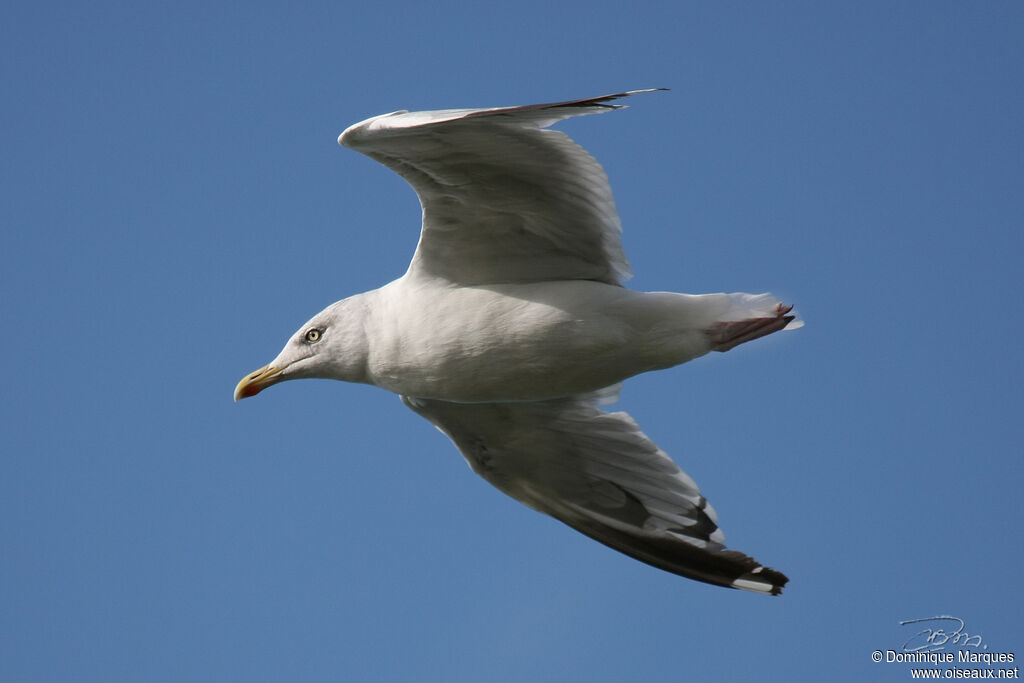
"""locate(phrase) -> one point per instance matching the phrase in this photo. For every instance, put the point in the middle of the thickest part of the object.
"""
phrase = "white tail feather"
(743, 306)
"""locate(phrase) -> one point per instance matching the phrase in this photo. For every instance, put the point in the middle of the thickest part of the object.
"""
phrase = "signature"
(935, 635)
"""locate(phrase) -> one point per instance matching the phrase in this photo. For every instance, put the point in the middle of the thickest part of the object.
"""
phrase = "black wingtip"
(601, 100)
(615, 96)
(600, 103)
(762, 580)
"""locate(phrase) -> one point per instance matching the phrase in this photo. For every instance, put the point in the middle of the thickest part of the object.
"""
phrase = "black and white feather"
(601, 475)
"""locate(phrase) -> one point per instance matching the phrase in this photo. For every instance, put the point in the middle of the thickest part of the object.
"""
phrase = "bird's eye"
(313, 335)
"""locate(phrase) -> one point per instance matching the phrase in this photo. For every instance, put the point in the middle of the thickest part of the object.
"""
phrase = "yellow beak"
(257, 381)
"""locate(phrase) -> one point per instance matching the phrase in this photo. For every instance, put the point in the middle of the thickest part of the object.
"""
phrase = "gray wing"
(598, 473)
(504, 199)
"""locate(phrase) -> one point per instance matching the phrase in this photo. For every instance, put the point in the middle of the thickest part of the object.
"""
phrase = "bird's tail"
(749, 316)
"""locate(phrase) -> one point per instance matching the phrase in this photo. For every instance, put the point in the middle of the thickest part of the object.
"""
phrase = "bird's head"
(332, 345)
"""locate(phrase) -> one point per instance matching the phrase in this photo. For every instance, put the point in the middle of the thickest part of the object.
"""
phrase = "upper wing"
(504, 200)
(601, 475)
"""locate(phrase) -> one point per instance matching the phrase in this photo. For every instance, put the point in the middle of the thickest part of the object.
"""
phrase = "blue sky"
(175, 205)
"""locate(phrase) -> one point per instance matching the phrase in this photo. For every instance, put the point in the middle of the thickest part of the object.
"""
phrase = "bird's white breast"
(520, 341)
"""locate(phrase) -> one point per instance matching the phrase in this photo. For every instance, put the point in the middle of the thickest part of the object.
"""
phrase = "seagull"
(511, 329)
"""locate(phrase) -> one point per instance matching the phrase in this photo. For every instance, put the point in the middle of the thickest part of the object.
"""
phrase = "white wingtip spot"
(770, 582)
(748, 583)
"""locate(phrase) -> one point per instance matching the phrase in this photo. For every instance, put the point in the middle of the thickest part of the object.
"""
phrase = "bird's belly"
(520, 346)
(514, 369)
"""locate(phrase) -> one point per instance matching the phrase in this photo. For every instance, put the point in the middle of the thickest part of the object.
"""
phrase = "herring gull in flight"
(511, 327)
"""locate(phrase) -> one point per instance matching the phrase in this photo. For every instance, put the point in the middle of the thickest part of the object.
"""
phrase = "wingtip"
(397, 121)
(762, 580)
(627, 93)
(614, 96)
